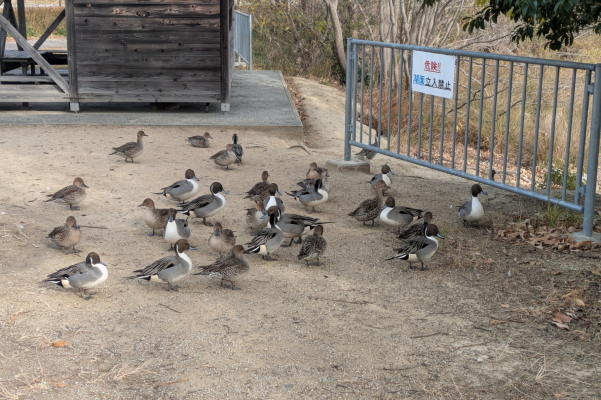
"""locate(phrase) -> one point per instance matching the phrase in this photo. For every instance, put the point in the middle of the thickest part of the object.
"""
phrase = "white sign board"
(433, 74)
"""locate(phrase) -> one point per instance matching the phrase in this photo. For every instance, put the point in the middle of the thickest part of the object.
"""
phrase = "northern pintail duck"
(175, 229)
(155, 218)
(184, 189)
(225, 157)
(207, 205)
(168, 269)
(472, 211)
(370, 209)
(369, 154)
(313, 246)
(260, 191)
(131, 149)
(269, 239)
(311, 197)
(67, 235)
(293, 226)
(384, 176)
(417, 229)
(254, 216)
(419, 249)
(72, 194)
(237, 149)
(309, 184)
(200, 141)
(314, 172)
(222, 240)
(272, 200)
(398, 216)
(229, 269)
(83, 275)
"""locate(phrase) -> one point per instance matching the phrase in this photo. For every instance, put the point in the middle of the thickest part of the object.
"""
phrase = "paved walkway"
(260, 99)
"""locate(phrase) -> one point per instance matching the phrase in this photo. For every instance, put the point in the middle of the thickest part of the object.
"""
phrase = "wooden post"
(22, 22)
(72, 56)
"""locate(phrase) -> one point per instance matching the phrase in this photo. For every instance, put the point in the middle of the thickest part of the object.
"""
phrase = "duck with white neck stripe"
(419, 249)
(472, 211)
(83, 276)
(269, 239)
(208, 205)
(168, 269)
(182, 190)
(175, 229)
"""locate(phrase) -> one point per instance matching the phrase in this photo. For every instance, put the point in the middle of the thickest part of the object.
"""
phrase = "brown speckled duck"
(132, 149)
(313, 246)
(72, 194)
(225, 157)
(222, 240)
(229, 269)
(369, 209)
(67, 235)
(200, 141)
(155, 218)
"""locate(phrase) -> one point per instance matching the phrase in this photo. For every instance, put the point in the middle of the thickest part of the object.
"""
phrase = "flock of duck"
(267, 218)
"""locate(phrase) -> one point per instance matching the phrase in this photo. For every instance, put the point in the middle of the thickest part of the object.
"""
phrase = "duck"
(272, 200)
(67, 235)
(398, 216)
(311, 197)
(293, 226)
(229, 269)
(155, 218)
(184, 189)
(83, 275)
(222, 240)
(420, 249)
(207, 205)
(200, 141)
(260, 191)
(369, 209)
(313, 246)
(131, 150)
(385, 176)
(168, 269)
(72, 194)
(269, 239)
(417, 229)
(369, 154)
(309, 184)
(254, 216)
(175, 229)
(225, 157)
(472, 211)
(314, 172)
(237, 149)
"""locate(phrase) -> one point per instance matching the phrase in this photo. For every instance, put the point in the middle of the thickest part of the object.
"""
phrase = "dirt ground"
(476, 325)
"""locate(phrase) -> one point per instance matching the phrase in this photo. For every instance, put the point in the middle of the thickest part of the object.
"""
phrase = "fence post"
(593, 157)
(350, 98)
(250, 42)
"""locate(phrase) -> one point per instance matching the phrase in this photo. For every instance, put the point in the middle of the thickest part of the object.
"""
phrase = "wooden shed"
(124, 51)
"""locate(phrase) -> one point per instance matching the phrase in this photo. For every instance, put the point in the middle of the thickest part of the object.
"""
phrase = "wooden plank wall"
(148, 50)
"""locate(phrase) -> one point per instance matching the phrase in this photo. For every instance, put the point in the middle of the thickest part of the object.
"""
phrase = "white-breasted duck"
(168, 269)
(398, 216)
(269, 239)
(131, 150)
(384, 175)
(293, 226)
(175, 229)
(72, 194)
(419, 249)
(311, 197)
(208, 205)
(272, 200)
(472, 211)
(83, 275)
(184, 189)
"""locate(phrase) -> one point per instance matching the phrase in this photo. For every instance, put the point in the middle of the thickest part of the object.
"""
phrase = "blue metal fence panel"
(243, 40)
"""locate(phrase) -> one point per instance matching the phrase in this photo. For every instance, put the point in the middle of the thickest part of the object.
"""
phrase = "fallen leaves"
(60, 343)
(561, 326)
(497, 322)
(558, 239)
(559, 395)
(60, 385)
(15, 315)
(561, 318)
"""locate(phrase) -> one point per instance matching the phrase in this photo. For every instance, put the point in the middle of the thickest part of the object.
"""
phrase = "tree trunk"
(332, 6)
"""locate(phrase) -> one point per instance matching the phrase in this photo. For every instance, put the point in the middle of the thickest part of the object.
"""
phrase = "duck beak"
(223, 191)
(440, 236)
(195, 178)
(141, 205)
(386, 187)
(76, 226)
(483, 192)
(264, 216)
(170, 219)
(278, 193)
(383, 207)
(86, 186)
(192, 248)
(210, 137)
(391, 173)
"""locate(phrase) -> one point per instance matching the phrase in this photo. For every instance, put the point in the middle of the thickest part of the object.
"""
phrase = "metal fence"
(520, 124)
(243, 37)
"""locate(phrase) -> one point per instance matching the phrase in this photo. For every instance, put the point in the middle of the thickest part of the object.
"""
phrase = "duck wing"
(66, 191)
(411, 246)
(126, 147)
(79, 268)
(156, 267)
(198, 202)
(264, 236)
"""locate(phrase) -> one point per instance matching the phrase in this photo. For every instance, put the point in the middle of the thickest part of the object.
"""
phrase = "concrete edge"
(353, 164)
(290, 100)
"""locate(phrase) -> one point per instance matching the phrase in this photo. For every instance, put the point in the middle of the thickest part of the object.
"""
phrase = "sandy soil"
(356, 327)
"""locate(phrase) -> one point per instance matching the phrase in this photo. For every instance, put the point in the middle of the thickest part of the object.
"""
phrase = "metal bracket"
(590, 88)
(225, 106)
(582, 189)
